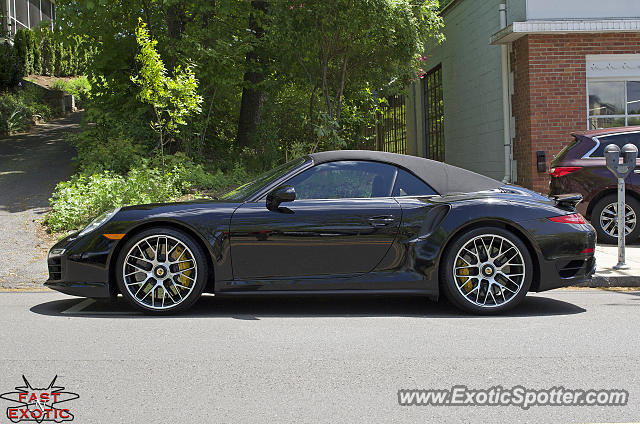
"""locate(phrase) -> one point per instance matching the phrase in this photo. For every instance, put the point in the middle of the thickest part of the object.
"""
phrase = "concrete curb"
(603, 280)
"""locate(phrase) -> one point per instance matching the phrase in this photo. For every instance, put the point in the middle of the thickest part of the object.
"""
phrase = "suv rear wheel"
(604, 219)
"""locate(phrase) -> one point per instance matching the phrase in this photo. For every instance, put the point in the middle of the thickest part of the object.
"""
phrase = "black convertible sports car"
(336, 222)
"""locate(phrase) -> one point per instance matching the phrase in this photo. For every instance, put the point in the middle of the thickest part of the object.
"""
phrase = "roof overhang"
(516, 30)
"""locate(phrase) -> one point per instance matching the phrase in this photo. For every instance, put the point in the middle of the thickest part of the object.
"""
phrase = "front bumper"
(82, 269)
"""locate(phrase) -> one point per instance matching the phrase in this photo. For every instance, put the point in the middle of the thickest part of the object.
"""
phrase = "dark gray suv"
(580, 168)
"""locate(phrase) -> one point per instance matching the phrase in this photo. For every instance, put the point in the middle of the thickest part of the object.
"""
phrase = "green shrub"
(75, 202)
(47, 52)
(36, 67)
(79, 87)
(23, 45)
(18, 110)
(116, 153)
(10, 71)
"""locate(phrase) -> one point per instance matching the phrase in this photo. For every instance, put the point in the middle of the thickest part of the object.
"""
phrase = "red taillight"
(574, 218)
(563, 170)
(589, 250)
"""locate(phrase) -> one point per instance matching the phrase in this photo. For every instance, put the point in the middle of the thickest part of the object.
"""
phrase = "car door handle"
(381, 221)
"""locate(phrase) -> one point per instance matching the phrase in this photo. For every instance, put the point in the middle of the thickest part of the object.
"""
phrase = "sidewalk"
(607, 258)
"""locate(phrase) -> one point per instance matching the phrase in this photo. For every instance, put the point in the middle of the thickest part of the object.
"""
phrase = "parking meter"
(621, 171)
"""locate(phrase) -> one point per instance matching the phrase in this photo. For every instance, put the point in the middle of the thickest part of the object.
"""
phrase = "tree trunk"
(253, 96)
(176, 19)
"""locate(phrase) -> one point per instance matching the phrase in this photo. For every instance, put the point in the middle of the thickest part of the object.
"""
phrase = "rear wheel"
(486, 270)
(604, 219)
(161, 271)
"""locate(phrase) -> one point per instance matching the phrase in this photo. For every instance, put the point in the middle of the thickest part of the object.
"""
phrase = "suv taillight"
(563, 170)
(574, 218)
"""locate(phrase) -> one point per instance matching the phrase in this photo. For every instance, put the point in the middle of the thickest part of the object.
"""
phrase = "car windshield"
(245, 191)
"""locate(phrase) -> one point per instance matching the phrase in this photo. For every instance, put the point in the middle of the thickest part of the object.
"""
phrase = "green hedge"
(40, 52)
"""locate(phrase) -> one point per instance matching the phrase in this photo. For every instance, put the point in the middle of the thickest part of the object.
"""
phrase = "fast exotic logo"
(39, 404)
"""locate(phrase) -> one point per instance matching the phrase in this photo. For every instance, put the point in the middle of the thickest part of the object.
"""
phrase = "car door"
(341, 223)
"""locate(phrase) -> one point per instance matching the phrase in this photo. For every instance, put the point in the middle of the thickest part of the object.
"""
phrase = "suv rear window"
(560, 156)
(619, 139)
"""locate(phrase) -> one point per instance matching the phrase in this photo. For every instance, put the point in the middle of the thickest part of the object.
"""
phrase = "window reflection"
(606, 98)
(614, 104)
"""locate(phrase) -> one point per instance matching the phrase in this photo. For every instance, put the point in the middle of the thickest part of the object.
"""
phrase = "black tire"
(199, 283)
(449, 282)
(603, 234)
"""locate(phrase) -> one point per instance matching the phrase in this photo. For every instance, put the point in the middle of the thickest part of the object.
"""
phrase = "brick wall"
(550, 98)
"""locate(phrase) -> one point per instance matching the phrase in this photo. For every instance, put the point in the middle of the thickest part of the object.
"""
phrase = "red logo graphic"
(39, 404)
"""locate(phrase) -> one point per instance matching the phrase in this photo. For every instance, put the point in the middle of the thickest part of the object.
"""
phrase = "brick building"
(525, 82)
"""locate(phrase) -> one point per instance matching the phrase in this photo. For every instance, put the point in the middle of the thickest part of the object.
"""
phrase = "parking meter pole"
(613, 154)
(621, 223)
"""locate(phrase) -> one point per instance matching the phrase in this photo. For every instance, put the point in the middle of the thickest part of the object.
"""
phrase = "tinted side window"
(619, 139)
(344, 179)
(409, 185)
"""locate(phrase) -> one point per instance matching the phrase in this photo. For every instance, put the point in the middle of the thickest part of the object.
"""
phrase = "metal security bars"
(393, 126)
(389, 134)
(434, 113)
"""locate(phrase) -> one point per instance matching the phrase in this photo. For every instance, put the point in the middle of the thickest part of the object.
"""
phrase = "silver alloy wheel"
(159, 272)
(609, 219)
(489, 270)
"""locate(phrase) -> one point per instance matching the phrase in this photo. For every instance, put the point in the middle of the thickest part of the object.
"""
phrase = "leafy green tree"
(253, 94)
(173, 98)
(309, 73)
(343, 47)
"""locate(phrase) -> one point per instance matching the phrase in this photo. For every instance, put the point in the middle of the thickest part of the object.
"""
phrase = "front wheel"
(486, 270)
(161, 271)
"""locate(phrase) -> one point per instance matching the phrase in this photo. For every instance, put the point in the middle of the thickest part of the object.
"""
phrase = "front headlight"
(56, 252)
(98, 222)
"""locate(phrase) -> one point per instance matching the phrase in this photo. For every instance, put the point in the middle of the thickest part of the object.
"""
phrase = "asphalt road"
(321, 359)
(30, 167)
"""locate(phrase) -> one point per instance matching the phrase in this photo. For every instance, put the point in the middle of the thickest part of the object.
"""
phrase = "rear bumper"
(565, 253)
(566, 272)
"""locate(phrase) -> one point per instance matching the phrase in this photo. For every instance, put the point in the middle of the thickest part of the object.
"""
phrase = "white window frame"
(16, 24)
(626, 115)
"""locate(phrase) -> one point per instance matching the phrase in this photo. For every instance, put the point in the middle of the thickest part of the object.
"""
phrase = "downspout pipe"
(506, 110)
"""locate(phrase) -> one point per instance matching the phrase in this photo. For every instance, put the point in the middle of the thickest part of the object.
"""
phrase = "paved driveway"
(30, 167)
(338, 360)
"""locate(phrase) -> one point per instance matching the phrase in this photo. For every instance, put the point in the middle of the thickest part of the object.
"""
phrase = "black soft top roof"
(443, 178)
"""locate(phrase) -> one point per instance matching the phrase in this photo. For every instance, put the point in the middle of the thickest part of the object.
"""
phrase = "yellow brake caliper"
(177, 252)
(468, 285)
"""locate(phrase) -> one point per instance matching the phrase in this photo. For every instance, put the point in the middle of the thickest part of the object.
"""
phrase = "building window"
(434, 113)
(389, 132)
(29, 14)
(393, 125)
(614, 103)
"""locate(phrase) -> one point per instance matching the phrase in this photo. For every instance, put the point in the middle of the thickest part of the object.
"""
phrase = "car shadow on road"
(255, 308)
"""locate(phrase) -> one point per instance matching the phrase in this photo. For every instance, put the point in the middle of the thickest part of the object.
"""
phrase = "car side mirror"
(284, 193)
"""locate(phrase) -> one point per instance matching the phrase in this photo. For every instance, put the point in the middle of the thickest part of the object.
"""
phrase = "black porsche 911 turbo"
(335, 223)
